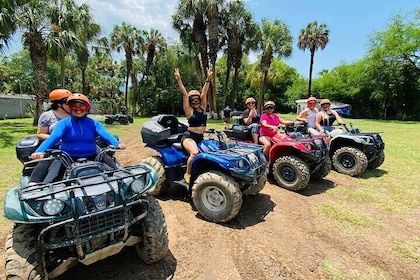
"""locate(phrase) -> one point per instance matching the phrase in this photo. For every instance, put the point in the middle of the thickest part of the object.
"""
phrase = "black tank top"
(198, 118)
(328, 119)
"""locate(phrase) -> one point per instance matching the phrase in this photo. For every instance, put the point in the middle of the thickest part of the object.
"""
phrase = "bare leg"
(191, 147)
(255, 137)
(267, 146)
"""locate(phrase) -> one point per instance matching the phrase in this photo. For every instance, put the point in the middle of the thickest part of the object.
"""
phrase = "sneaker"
(187, 177)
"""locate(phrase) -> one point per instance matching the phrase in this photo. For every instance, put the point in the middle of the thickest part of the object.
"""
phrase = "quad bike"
(220, 174)
(119, 118)
(353, 151)
(294, 158)
(89, 214)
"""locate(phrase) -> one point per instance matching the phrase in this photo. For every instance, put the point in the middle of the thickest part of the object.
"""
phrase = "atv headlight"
(53, 206)
(138, 185)
(241, 163)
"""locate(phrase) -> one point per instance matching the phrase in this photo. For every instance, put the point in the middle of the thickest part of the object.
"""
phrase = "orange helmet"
(78, 97)
(311, 99)
(325, 101)
(59, 94)
(249, 100)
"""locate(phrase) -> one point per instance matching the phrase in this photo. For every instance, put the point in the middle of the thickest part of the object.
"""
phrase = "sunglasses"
(195, 101)
(312, 102)
(269, 108)
(249, 103)
(325, 105)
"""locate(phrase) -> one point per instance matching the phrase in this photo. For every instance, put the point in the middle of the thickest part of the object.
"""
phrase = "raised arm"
(205, 89)
(185, 102)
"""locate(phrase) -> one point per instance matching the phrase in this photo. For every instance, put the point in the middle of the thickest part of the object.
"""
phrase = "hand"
(122, 146)
(209, 74)
(37, 155)
(176, 74)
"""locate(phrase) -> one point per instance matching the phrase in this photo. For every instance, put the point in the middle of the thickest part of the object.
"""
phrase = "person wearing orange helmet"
(194, 104)
(46, 122)
(77, 134)
(308, 115)
(326, 118)
(59, 110)
(251, 118)
(270, 122)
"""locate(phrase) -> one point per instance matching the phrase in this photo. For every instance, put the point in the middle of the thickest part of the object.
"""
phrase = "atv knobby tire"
(123, 120)
(291, 173)
(23, 260)
(154, 244)
(323, 170)
(216, 196)
(350, 161)
(255, 189)
(109, 121)
(377, 161)
(157, 163)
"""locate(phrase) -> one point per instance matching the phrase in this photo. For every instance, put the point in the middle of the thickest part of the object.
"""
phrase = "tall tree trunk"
(262, 89)
(234, 88)
(38, 55)
(226, 86)
(310, 72)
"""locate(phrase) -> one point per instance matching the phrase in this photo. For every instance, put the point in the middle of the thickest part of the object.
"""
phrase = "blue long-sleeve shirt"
(78, 136)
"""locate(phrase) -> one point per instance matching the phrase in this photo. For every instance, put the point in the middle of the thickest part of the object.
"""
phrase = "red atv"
(294, 158)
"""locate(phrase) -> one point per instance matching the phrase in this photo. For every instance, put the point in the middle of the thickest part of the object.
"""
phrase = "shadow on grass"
(373, 173)
(9, 138)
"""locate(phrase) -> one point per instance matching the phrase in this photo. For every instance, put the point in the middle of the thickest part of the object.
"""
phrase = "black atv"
(353, 151)
(119, 118)
(93, 212)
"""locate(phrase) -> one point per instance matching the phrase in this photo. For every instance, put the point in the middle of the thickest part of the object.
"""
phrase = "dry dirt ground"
(278, 234)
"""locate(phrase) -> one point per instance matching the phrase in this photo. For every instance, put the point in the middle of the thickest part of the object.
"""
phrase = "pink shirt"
(272, 119)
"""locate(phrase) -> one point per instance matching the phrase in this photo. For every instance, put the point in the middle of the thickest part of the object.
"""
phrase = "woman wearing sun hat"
(194, 104)
(251, 118)
(326, 118)
(270, 122)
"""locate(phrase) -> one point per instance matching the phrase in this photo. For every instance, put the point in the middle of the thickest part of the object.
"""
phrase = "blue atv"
(220, 174)
(90, 213)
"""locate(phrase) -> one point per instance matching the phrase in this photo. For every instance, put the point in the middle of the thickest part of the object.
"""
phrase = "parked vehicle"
(88, 215)
(294, 157)
(119, 118)
(220, 174)
(353, 151)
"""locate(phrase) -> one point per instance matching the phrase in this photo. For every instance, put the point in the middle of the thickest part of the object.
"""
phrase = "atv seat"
(169, 121)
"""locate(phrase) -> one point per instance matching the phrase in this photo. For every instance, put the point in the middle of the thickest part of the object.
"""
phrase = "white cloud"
(143, 14)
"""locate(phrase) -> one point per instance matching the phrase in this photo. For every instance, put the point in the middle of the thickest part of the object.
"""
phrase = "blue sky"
(350, 22)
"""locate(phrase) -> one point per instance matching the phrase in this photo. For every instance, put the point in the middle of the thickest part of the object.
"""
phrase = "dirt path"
(278, 234)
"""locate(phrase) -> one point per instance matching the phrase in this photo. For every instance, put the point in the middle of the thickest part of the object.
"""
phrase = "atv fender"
(12, 205)
(171, 156)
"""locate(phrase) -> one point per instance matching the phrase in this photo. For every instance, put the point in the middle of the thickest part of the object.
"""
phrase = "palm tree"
(241, 32)
(313, 37)
(8, 24)
(189, 20)
(85, 35)
(66, 19)
(126, 37)
(33, 21)
(275, 39)
(153, 43)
